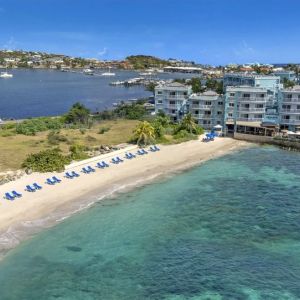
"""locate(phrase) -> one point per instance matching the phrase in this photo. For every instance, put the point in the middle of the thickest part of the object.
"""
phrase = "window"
(284, 106)
(246, 116)
(195, 102)
(289, 96)
(258, 116)
(184, 93)
(261, 95)
(172, 93)
(231, 104)
(173, 111)
(196, 112)
(230, 115)
(219, 122)
(299, 96)
(259, 106)
(159, 92)
(172, 102)
(246, 95)
(298, 106)
(159, 102)
(219, 113)
(247, 105)
(286, 117)
(231, 94)
(220, 103)
(207, 112)
(207, 102)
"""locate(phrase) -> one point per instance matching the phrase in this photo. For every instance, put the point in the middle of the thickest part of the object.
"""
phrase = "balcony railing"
(249, 119)
(290, 122)
(290, 111)
(250, 109)
(291, 100)
(252, 99)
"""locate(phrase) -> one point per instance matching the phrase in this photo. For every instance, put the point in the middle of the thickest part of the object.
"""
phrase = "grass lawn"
(15, 148)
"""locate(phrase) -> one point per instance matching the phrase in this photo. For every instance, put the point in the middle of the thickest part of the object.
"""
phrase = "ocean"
(228, 229)
(34, 93)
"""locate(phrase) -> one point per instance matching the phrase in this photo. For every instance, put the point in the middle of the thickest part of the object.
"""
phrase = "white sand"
(43, 203)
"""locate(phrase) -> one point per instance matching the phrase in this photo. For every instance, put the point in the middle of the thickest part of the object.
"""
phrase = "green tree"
(196, 85)
(288, 83)
(46, 161)
(78, 114)
(188, 123)
(144, 133)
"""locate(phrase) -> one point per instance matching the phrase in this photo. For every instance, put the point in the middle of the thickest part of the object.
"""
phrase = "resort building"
(207, 108)
(289, 109)
(172, 99)
(289, 75)
(269, 82)
(246, 104)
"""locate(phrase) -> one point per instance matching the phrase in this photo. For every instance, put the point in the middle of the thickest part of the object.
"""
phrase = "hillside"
(145, 61)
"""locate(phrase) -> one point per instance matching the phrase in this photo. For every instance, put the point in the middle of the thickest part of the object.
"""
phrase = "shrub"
(32, 126)
(54, 138)
(46, 161)
(102, 130)
(77, 152)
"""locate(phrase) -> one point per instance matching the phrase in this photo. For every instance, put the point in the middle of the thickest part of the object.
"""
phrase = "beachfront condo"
(289, 109)
(207, 108)
(172, 99)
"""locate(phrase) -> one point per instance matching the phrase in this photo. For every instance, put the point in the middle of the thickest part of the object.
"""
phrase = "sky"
(206, 31)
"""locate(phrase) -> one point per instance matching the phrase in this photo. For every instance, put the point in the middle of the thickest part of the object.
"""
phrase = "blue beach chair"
(105, 164)
(29, 189)
(114, 161)
(56, 179)
(90, 169)
(74, 174)
(132, 155)
(50, 182)
(68, 175)
(16, 194)
(144, 151)
(85, 171)
(8, 196)
(152, 149)
(156, 148)
(36, 186)
(128, 156)
(139, 152)
(100, 165)
(119, 159)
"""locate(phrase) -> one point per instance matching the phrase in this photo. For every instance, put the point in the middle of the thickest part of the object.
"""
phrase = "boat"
(109, 73)
(88, 72)
(6, 75)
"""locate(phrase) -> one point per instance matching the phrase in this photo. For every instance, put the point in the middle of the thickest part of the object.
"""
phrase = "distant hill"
(146, 61)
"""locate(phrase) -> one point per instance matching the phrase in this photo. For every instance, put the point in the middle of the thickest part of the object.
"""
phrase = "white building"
(172, 99)
(207, 108)
(289, 109)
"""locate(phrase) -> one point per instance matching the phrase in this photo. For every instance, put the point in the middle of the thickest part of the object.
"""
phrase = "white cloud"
(11, 44)
(102, 52)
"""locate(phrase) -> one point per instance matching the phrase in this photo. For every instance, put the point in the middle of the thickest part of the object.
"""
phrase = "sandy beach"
(34, 211)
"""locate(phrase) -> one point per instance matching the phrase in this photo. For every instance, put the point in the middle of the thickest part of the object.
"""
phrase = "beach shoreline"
(24, 217)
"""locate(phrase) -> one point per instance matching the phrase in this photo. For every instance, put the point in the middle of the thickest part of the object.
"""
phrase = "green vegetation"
(214, 85)
(46, 161)
(162, 130)
(196, 85)
(78, 114)
(140, 62)
(288, 83)
(32, 126)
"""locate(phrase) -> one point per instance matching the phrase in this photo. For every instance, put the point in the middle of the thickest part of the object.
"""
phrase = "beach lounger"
(30, 189)
(144, 151)
(119, 159)
(36, 186)
(152, 149)
(56, 179)
(16, 194)
(128, 156)
(86, 171)
(69, 176)
(74, 174)
(156, 148)
(114, 161)
(132, 155)
(105, 164)
(90, 169)
(100, 165)
(8, 196)
(50, 182)
(139, 152)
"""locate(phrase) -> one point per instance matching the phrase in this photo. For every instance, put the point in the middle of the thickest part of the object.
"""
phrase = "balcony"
(179, 97)
(290, 122)
(291, 100)
(252, 99)
(250, 109)
(290, 111)
(249, 119)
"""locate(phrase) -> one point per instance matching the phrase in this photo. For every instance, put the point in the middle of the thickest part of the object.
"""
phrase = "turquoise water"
(229, 229)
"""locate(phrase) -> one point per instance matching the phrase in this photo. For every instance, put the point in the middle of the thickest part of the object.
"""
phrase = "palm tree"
(144, 133)
(189, 124)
